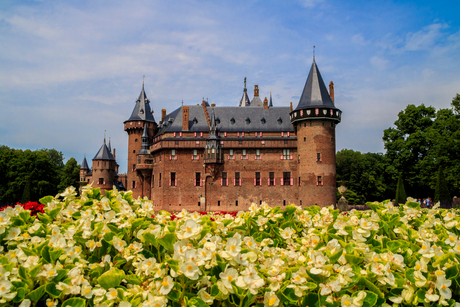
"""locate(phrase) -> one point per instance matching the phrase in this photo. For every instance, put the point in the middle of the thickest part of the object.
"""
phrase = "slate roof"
(244, 102)
(103, 153)
(84, 164)
(315, 93)
(145, 142)
(256, 102)
(142, 110)
(231, 119)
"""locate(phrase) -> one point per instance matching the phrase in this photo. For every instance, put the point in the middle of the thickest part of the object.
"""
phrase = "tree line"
(422, 150)
(28, 175)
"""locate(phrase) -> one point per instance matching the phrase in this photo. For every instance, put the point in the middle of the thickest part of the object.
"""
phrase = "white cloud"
(359, 40)
(425, 38)
(379, 62)
(310, 3)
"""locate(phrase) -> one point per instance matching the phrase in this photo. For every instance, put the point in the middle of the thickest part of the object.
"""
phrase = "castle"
(209, 158)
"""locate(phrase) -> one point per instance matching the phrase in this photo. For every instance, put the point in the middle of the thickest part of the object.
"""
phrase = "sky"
(71, 70)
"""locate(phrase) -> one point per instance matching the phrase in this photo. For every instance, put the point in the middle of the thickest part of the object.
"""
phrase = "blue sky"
(71, 69)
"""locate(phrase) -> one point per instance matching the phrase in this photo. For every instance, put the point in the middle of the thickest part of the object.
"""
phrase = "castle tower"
(103, 168)
(144, 165)
(314, 121)
(142, 115)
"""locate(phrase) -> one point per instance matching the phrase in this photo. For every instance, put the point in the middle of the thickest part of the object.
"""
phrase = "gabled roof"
(142, 109)
(315, 93)
(256, 102)
(244, 102)
(84, 164)
(103, 153)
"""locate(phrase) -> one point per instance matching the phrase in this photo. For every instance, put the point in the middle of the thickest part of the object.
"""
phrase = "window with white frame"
(257, 154)
(195, 154)
(243, 155)
(173, 155)
(230, 155)
(285, 154)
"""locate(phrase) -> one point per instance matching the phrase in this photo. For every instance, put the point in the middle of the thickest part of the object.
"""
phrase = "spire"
(212, 127)
(104, 135)
(84, 164)
(271, 102)
(145, 142)
(245, 102)
(103, 153)
(315, 92)
(142, 110)
(110, 146)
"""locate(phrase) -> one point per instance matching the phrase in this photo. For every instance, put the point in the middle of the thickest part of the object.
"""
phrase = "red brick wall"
(316, 136)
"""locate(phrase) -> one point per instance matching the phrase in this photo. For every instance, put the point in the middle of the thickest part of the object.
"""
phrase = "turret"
(103, 168)
(314, 120)
(141, 118)
(245, 102)
(84, 169)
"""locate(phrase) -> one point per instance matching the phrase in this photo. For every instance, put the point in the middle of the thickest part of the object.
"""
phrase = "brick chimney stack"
(256, 91)
(331, 91)
(291, 106)
(163, 114)
(265, 103)
(184, 118)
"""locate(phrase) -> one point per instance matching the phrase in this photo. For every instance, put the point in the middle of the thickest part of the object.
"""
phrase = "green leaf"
(452, 272)
(20, 294)
(198, 302)
(35, 270)
(351, 259)
(149, 237)
(55, 254)
(175, 293)
(28, 251)
(111, 279)
(53, 213)
(44, 218)
(74, 302)
(23, 272)
(36, 294)
(289, 293)
(61, 274)
(45, 200)
(52, 291)
(370, 299)
(214, 290)
(371, 286)
(46, 254)
(410, 275)
(168, 241)
(133, 279)
(333, 259)
(25, 216)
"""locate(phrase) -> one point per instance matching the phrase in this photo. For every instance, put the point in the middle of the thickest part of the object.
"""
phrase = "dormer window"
(280, 121)
(263, 121)
(232, 120)
(141, 111)
(218, 120)
(248, 121)
(195, 121)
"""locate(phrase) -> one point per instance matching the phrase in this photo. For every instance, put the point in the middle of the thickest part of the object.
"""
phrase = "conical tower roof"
(145, 142)
(142, 110)
(103, 153)
(314, 93)
(84, 164)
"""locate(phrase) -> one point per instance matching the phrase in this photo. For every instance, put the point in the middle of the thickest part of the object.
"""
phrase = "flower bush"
(33, 206)
(114, 250)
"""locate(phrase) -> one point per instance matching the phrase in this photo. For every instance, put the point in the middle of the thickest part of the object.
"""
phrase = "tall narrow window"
(287, 178)
(173, 179)
(195, 154)
(271, 178)
(159, 181)
(237, 181)
(134, 167)
(319, 180)
(257, 154)
(138, 159)
(173, 155)
(285, 155)
(243, 155)
(236, 203)
(318, 157)
(198, 179)
(257, 179)
(134, 184)
(218, 203)
(230, 155)
(224, 179)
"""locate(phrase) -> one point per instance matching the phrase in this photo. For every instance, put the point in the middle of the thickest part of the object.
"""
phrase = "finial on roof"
(182, 102)
(110, 146)
(313, 53)
(104, 135)
(143, 80)
(245, 83)
(271, 102)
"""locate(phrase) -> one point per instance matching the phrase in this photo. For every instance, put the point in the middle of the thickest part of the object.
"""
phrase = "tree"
(442, 192)
(70, 175)
(400, 191)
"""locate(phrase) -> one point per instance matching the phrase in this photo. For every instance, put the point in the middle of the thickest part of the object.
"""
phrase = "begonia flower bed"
(114, 250)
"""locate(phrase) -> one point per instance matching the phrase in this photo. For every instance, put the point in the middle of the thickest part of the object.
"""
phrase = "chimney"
(213, 104)
(291, 106)
(205, 110)
(331, 91)
(184, 118)
(256, 91)
(265, 103)
(163, 114)
(113, 154)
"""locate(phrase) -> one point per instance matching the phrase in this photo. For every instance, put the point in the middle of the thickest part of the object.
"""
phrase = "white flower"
(270, 299)
(25, 303)
(233, 247)
(443, 285)
(229, 275)
(190, 270)
(286, 233)
(205, 296)
(86, 291)
(112, 294)
(190, 229)
(166, 285)
(119, 244)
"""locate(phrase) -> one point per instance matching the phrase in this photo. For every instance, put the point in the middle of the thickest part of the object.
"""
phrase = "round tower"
(103, 168)
(141, 116)
(314, 121)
